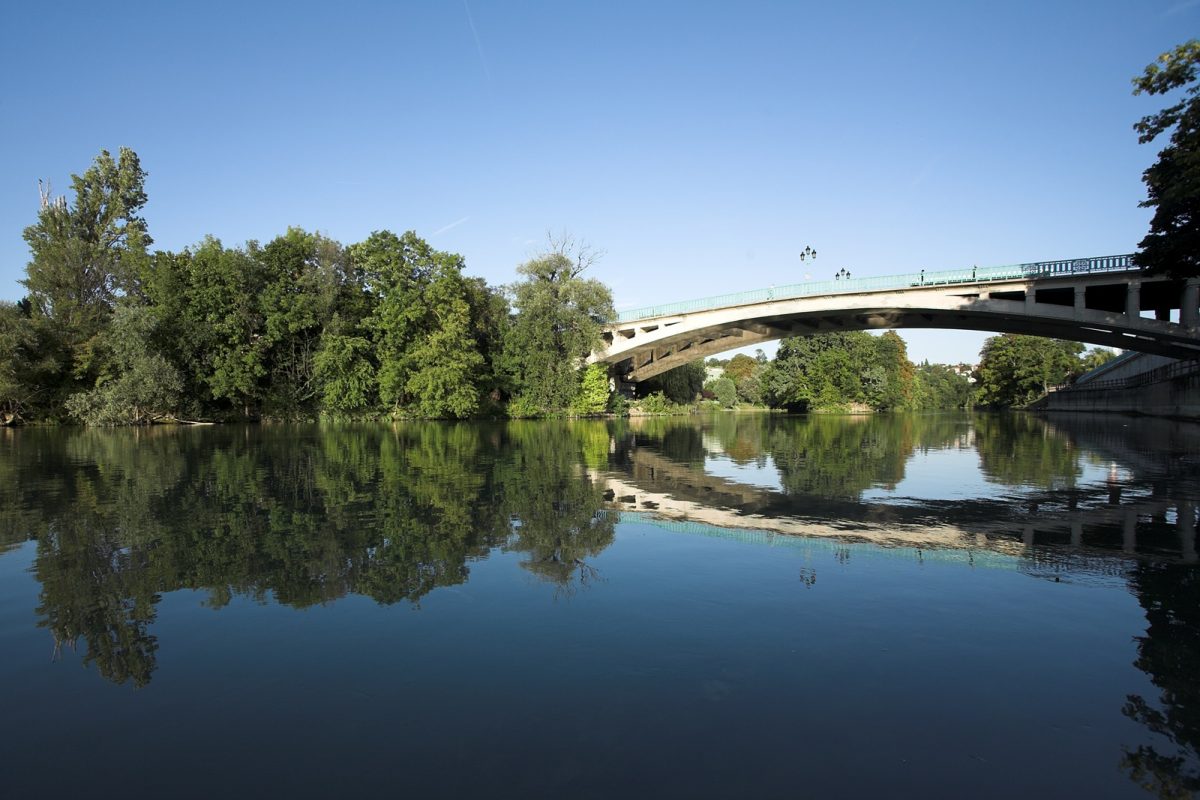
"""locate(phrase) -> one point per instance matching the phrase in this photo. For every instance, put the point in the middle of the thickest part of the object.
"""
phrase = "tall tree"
(1173, 182)
(85, 253)
(139, 385)
(426, 343)
(559, 321)
(679, 385)
(301, 273)
(18, 352)
(1015, 370)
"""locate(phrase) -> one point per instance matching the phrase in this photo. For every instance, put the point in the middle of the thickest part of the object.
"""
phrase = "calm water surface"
(740, 605)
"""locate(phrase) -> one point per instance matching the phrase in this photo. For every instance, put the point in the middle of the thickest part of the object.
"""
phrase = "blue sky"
(701, 145)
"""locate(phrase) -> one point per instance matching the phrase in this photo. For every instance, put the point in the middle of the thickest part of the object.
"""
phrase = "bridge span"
(1102, 301)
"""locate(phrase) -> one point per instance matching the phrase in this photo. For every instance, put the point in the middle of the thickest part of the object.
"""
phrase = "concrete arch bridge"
(1103, 301)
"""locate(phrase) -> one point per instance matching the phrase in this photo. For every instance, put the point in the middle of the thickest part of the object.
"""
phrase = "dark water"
(737, 606)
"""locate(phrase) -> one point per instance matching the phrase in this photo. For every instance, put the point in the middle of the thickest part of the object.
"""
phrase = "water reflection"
(1075, 495)
(304, 515)
(1013, 483)
(307, 515)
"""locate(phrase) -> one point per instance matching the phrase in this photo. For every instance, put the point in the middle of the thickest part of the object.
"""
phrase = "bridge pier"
(1080, 300)
(1189, 314)
(1186, 513)
(1133, 300)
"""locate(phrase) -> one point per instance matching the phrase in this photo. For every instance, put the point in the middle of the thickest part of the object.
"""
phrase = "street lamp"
(807, 253)
(842, 273)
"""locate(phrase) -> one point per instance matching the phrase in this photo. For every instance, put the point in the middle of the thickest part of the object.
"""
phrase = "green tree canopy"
(1173, 182)
(679, 385)
(87, 252)
(559, 321)
(1015, 370)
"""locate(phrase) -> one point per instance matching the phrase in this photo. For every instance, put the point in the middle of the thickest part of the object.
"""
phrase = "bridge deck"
(1030, 271)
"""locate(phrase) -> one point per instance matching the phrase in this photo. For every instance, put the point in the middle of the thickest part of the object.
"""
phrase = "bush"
(593, 391)
(523, 408)
(656, 403)
(724, 390)
(618, 404)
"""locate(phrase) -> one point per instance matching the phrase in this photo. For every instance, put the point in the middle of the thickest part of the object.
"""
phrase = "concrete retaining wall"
(1176, 397)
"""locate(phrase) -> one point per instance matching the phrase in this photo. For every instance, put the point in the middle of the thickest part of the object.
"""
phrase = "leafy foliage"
(725, 391)
(593, 391)
(1015, 370)
(1173, 182)
(86, 254)
(140, 384)
(679, 385)
(560, 314)
(830, 371)
(18, 351)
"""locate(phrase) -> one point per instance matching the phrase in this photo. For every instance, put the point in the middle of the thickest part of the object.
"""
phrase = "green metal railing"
(1037, 269)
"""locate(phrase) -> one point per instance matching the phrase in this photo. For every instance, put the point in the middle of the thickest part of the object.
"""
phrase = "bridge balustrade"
(1028, 271)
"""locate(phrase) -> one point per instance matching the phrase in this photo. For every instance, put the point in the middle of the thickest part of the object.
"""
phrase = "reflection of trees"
(306, 515)
(841, 457)
(828, 456)
(742, 436)
(556, 514)
(1168, 654)
(1020, 449)
(677, 438)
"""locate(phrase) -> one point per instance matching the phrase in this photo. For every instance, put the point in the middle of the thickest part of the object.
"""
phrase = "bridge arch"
(1098, 301)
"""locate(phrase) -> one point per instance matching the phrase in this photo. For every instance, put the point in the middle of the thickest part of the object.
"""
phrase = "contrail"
(445, 228)
(483, 61)
(1170, 12)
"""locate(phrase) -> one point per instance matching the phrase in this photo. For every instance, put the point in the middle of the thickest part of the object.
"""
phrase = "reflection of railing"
(1164, 373)
(1037, 269)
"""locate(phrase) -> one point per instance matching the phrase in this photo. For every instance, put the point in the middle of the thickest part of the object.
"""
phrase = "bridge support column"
(1080, 300)
(1189, 313)
(1186, 513)
(1129, 532)
(1133, 300)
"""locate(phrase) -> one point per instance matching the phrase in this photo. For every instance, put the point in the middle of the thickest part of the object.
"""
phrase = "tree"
(139, 385)
(724, 390)
(937, 386)
(446, 359)
(223, 317)
(559, 319)
(593, 391)
(679, 385)
(1015, 370)
(344, 371)
(300, 273)
(740, 367)
(1173, 182)
(427, 340)
(1095, 357)
(18, 351)
(85, 254)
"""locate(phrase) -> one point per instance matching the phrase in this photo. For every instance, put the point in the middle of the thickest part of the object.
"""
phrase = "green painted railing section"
(1037, 269)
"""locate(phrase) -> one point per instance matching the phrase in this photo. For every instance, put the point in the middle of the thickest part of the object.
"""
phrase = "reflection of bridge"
(1094, 300)
(1097, 520)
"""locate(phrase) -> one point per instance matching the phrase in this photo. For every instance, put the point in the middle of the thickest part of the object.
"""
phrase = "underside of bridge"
(1111, 310)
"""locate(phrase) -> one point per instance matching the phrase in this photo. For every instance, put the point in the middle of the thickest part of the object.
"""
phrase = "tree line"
(110, 332)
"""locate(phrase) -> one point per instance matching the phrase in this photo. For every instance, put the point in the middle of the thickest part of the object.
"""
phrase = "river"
(748, 605)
